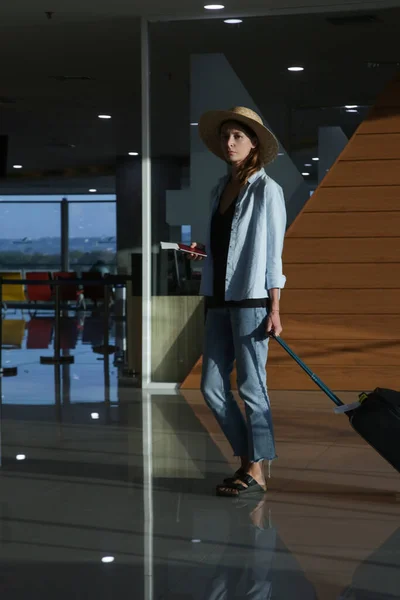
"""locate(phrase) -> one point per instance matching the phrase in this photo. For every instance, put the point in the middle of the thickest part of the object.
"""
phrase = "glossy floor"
(94, 470)
(83, 336)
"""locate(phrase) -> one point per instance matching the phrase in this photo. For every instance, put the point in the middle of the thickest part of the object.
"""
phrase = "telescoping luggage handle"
(312, 375)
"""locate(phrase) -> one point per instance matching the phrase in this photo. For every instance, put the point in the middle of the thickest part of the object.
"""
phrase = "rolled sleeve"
(276, 228)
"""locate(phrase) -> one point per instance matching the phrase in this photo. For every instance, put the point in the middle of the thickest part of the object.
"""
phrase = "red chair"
(68, 292)
(40, 330)
(68, 333)
(38, 293)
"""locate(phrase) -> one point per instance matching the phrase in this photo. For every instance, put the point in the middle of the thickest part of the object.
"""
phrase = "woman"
(241, 282)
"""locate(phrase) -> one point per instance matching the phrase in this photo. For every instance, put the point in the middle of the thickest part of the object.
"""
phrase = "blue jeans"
(239, 333)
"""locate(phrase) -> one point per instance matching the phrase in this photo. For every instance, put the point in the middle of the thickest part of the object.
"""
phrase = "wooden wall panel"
(340, 378)
(369, 172)
(342, 250)
(192, 381)
(357, 198)
(347, 301)
(341, 326)
(385, 120)
(373, 147)
(290, 377)
(350, 224)
(338, 276)
(344, 353)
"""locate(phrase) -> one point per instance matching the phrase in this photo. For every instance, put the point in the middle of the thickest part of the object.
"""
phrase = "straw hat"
(210, 126)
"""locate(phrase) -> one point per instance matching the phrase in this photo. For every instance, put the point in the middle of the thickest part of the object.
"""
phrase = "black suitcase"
(376, 417)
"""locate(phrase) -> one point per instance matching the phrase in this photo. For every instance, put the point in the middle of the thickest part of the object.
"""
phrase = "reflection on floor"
(108, 493)
(27, 338)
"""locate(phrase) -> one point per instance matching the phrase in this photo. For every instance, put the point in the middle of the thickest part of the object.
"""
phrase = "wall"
(166, 174)
(331, 143)
(341, 305)
(129, 211)
(215, 85)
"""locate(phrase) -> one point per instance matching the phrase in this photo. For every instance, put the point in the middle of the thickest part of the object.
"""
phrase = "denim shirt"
(254, 263)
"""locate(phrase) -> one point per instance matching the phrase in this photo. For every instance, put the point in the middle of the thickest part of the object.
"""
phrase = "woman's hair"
(253, 162)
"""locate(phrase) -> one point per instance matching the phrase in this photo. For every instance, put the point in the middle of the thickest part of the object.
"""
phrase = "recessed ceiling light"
(233, 21)
(351, 106)
(308, 165)
(193, 124)
(214, 6)
(295, 69)
(133, 153)
(20, 457)
(104, 116)
(92, 190)
(17, 166)
(315, 158)
(305, 174)
(107, 559)
(95, 416)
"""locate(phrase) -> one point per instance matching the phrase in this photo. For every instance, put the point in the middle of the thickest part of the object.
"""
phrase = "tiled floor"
(136, 484)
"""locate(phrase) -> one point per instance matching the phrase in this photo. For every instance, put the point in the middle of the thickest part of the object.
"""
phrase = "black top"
(220, 235)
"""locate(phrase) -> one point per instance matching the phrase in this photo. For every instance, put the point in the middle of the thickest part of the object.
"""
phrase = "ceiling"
(54, 124)
(26, 12)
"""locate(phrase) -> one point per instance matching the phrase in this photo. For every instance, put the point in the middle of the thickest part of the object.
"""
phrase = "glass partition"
(92, 235)
(70, 145)
(30, 236)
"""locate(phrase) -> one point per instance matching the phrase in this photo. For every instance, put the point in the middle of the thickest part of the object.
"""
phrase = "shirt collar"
(256, 176)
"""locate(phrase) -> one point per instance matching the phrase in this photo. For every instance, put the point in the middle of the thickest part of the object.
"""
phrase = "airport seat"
(40, 331)
(12, 292)
(38, 293)
(13, 333)
(68, 293)
(69, 333)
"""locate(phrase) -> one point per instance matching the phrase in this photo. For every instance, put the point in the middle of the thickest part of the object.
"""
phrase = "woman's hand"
(274, 326)
(196, 256)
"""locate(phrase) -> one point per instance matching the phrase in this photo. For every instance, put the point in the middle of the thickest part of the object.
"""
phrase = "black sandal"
(239, 474)
(233, 490)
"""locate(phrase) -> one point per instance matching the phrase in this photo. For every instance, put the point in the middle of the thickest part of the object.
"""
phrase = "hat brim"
(210, 126)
